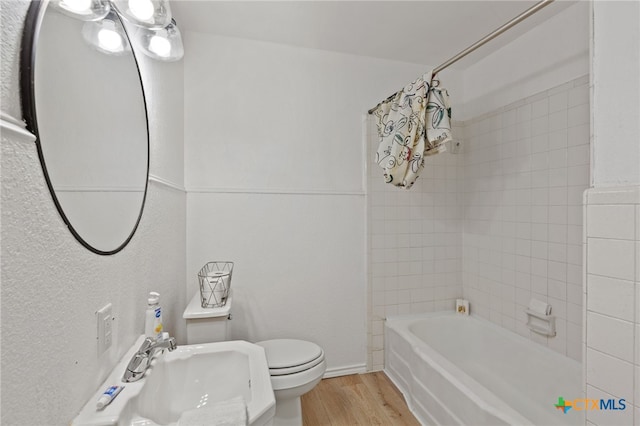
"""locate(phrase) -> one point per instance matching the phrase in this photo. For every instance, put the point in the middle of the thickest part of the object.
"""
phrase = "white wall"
(612, 211)
(550, 54)
(52, 286)
(616, 93)
(268, 116)
(274, 169)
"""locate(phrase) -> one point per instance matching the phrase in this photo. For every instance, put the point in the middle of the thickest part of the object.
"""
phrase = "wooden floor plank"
(389, 398)
(314, 411)
(359, 399)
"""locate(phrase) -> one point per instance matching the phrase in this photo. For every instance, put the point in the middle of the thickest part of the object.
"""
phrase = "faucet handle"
(146, 344)
(172, 344)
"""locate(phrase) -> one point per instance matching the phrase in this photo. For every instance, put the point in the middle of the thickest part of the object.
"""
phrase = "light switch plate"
(104, 318)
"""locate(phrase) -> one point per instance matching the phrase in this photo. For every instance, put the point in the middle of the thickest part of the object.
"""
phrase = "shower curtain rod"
(524, 15)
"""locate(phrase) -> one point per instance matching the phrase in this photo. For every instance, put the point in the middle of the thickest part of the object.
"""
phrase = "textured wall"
(52, 286)
(11, 16)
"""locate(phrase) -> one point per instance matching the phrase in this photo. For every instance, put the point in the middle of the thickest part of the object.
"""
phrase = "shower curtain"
(414, 123)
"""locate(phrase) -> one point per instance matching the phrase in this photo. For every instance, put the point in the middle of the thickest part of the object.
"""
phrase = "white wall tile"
(611, 297)
(558, 215)
(557, 158)
(558, 139)
(540, 108)
(578, 135)
(637, 261)
(611, 258)
(558, 120)
(578, 174)
(638, 222)
(578, 115)
(612, 374)
(578, 95)
(558, 102)
(574, 294)
(558, 196)
(611, 336)
(636, 394)
(557, 289)
(637, 335)
(578, 155)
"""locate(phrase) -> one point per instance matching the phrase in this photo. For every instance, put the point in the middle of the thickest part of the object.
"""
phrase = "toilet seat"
(291, 356)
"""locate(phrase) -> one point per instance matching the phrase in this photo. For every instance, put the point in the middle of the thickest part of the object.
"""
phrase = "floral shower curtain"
(414, 123)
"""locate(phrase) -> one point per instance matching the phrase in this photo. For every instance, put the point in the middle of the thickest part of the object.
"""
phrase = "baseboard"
(345, 371)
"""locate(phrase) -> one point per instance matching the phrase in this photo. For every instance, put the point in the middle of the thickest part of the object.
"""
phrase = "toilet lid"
(288, 356)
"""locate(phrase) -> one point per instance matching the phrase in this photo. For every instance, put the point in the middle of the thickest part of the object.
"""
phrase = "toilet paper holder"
(541, 323)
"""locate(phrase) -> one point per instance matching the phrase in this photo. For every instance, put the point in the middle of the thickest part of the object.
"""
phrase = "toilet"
(296, 366)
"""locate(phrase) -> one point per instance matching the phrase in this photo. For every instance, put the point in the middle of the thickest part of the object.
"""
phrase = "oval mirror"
(85, 103)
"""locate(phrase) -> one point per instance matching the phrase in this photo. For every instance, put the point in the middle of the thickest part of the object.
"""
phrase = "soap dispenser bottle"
(153, 318)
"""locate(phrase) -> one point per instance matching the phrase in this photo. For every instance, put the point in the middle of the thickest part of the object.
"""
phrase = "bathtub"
(455, 369)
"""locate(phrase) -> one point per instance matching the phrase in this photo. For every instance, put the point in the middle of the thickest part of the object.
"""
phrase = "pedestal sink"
(190, 377)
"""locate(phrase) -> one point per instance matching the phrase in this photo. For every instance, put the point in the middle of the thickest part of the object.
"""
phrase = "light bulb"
(154, 14)
(163, 45)
(78, 6)
(85, 10)
(109, 40)
(141, 9)
(160, 46)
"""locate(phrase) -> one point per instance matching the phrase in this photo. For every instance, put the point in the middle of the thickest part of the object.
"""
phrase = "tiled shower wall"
(526, 167)
(414, 243)
(500, 222)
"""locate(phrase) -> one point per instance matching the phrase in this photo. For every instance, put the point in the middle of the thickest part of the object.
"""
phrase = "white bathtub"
(454, 369)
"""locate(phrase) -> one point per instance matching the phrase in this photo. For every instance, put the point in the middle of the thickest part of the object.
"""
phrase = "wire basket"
(215, 282)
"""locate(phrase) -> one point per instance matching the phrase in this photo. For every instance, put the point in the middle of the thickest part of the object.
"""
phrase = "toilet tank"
(207, 325)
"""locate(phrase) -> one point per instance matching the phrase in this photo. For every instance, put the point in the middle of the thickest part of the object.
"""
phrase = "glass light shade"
(85, 10)
(155, 14)
(106, 36)
(163, 45)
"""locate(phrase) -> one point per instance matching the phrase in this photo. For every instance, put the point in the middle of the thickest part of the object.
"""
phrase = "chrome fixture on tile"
(141, 361)
(157, 35)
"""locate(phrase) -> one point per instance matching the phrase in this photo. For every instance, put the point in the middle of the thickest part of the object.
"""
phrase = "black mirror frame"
(28, 102)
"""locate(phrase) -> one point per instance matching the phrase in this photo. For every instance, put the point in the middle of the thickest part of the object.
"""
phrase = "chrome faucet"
(141, 361)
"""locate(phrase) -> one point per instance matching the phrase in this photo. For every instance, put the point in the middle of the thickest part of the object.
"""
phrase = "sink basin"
(190, 377)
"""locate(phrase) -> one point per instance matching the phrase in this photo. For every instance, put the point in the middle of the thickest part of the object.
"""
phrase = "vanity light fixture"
(158, 34)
